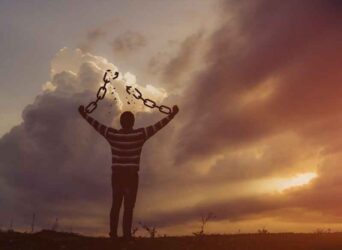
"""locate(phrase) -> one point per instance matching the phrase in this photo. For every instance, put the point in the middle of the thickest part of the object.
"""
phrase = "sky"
(256, 141)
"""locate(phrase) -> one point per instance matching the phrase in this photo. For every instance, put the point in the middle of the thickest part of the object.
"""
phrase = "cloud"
(128, 42)
(181, 63)
(233, 210)
(175, 69)
(53, 163)
(267, 104)
(277, 56)
(92, 37)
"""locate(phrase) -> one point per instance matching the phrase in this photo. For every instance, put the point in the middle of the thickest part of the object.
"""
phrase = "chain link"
(165, 109)
(101, 93)
(91, 107)
(137, 94)
(147, 102)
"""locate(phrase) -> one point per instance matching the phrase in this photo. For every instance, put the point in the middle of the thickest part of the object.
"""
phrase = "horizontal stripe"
(128, 157)
(123, 164)
(129, 165)
(127, 145)
(128, 142)
(132, 133)
(126, 137)
(125, 160)
(118, 168)
(115, 157)
(127, 152)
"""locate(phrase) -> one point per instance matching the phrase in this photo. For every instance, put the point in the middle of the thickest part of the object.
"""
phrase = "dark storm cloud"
(273, 83)
(50, 160)
(181, 64)
(273, 73)
(175, 69)
(128, 42)
(92, 37)
(295, 44)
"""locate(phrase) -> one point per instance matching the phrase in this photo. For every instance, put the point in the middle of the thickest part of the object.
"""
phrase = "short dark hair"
(127, 119)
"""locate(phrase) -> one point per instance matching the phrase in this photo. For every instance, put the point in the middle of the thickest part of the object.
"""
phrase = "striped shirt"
(126, 145)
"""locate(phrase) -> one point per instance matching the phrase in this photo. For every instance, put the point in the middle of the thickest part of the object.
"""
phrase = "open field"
(65, 241)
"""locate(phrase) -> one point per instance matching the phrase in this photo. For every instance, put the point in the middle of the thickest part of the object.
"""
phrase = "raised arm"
(151, 130)
(102, 129)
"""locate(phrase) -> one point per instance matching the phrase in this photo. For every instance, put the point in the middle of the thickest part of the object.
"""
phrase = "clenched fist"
(81, 110)
(175, 110)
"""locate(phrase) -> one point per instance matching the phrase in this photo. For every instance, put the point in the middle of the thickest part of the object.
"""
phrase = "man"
(126, 145)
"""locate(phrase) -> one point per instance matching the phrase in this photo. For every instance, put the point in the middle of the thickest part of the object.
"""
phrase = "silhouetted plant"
(204, 220)
(55, 225)
(134, 230)
(263, 231)
(152, 231)
(10, 229)
(33, 222)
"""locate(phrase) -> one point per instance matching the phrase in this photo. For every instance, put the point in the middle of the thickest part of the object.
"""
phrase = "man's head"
(127, 120)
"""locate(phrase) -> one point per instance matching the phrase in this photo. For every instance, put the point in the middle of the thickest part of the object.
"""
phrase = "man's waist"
(125, 167)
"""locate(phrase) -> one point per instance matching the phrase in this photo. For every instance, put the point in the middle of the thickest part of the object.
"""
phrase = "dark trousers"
(125, 187)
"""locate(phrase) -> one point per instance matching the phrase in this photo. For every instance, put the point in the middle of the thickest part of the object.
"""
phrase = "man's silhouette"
(126, 145)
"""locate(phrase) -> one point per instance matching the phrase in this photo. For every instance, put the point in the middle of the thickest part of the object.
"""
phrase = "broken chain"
(101, 93)
(147, 102)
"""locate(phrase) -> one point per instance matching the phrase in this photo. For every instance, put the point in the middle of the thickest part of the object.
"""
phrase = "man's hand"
(175, 110)
(81, 110)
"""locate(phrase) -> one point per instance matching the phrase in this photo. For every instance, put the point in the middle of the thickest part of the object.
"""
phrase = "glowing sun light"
(298, 180)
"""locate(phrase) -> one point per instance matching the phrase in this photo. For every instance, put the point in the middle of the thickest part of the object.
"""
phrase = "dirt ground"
(48, 240)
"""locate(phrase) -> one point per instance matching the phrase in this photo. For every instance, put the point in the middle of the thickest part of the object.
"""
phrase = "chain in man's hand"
(101, 93)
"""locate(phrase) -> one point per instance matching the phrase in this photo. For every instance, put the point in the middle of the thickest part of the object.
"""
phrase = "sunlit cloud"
(283, 184)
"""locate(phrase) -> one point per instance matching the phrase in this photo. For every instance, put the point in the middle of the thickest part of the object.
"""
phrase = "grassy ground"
(64, 241)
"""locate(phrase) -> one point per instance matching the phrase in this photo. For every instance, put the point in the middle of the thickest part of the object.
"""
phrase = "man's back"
(126, 143)
(126, 146)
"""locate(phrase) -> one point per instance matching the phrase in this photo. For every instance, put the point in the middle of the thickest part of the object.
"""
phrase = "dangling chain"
(101, 93)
